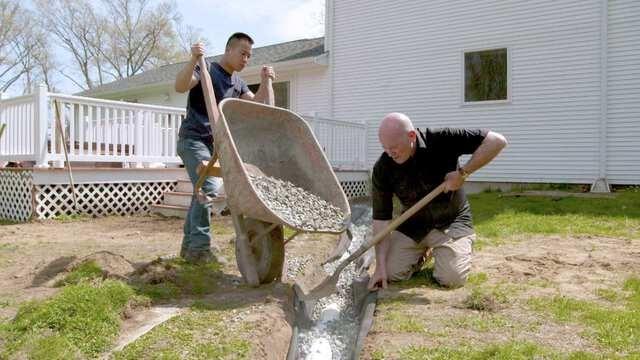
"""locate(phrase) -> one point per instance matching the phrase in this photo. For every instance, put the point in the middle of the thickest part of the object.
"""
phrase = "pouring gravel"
(298, 207)
(335, 327)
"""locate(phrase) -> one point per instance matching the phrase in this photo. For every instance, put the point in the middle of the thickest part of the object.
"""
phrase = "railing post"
(41, 125)
(137, 146)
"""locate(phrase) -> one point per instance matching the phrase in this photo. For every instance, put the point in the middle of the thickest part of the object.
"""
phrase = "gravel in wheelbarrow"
(297, 207)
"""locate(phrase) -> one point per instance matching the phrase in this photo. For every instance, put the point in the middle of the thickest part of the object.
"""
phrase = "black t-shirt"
(424, 171)
(225, 85)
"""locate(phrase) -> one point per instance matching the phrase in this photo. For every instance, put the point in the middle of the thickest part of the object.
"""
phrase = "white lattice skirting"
(355, 189)
(99, 199)
(15, 195)
(21, 199)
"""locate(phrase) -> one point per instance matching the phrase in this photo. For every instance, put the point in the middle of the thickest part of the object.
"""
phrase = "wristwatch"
(463, 173)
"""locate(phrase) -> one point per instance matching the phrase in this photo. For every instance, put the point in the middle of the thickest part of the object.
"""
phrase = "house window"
(280, 93)
(486, 75)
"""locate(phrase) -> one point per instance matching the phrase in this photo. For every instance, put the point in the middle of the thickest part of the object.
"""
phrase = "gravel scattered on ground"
(295, 264)
(298, 207)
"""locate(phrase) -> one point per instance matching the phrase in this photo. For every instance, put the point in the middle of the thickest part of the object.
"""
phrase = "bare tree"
(140, 36)
(73, 24)
(113, 39)
(10, 54)
(38, 63)
(187, 36)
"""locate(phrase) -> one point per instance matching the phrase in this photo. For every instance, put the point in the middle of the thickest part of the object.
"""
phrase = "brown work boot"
(428, 255)
(424, 259)
(198, 257)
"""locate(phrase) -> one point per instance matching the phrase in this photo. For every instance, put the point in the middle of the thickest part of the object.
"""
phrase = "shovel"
(214, 114)
(319, 284)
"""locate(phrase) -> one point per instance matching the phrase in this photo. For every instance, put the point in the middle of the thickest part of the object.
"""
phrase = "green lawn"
(500, 218)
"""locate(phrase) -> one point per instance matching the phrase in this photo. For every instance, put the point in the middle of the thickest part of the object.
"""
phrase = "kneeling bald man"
(413, 164)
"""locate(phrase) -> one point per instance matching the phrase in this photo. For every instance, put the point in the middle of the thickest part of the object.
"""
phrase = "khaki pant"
(452, 257)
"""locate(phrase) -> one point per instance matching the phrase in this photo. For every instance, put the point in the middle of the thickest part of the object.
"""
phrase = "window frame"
(289, 90)
(509, 98)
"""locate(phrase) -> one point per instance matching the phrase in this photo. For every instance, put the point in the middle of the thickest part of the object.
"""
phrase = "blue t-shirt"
(225, 85)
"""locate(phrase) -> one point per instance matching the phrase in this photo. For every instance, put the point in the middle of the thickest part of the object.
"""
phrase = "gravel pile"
(335, 325)
(295, 264)
(298, 207)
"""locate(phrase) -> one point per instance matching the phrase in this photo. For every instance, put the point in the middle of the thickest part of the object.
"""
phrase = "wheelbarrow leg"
(246, 262)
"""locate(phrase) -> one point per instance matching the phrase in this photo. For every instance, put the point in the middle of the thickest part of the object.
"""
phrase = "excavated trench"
(335, 327)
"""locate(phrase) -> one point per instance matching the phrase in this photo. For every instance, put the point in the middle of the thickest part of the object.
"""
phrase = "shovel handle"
(209, 95)
(395, 223)
(212, 112)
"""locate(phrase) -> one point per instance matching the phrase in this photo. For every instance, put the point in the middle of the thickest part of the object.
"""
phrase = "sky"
(266, 21)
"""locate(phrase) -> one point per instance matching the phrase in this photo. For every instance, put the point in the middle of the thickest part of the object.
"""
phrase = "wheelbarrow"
(255, 139)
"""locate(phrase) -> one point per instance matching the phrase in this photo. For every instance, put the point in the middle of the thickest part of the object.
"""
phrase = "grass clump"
(502, 351)
(488, 298)
(169, 279)
(481, 301)
(8, 222)
(476, 279)
(502, 218)
(85, 271)
(70, 217)
(198, 334)
(82, 318)
(617, 329)
(508, 351)
(399, 322)
(197, 279)
(377, 355)
(483, 322)
(608, 294)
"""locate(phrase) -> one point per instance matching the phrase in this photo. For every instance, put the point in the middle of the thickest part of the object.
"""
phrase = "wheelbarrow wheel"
(267, 251)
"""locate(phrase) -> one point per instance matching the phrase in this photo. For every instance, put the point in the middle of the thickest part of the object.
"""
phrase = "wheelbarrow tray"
(280, 144)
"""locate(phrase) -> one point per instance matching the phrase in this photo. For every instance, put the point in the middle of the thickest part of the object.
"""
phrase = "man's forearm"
(265, 93)
(183, 79)
(490, 147)
(382, 249)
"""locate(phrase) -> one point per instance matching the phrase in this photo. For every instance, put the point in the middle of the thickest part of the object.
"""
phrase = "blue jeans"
(197, 225)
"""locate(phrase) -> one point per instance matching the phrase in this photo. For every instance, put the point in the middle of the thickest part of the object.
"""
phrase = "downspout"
(601, 184)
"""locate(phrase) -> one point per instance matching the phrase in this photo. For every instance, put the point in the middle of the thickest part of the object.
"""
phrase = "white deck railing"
(343, 142)
(132, 134)
(96, 130)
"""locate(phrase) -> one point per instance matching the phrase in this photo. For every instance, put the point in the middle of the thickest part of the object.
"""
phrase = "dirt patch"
(534, 268)
(574, 267)
(112, 265)
(34, 255)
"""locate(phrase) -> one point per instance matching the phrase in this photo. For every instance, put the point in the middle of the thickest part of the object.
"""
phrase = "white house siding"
(307, 89)
(166, 97)
(407, 56)
(311, 93)
(623, 106)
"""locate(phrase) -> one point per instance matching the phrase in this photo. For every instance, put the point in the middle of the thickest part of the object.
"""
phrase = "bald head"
(394, 125)
(397, 136)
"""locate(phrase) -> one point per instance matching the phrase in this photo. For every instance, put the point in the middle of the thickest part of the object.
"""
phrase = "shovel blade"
(316, 286)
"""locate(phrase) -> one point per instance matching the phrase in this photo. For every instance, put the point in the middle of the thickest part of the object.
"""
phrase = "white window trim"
(462, 78)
